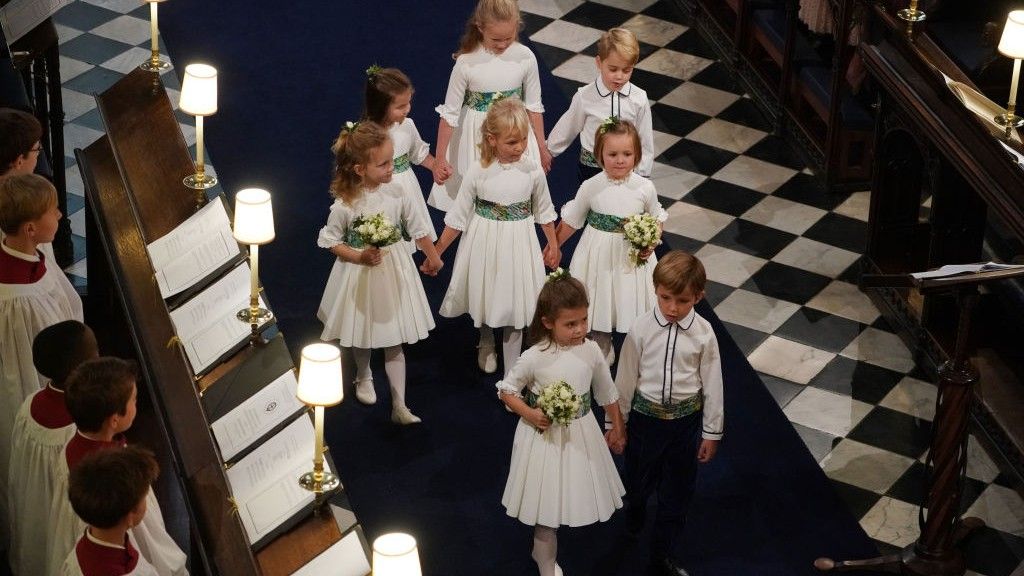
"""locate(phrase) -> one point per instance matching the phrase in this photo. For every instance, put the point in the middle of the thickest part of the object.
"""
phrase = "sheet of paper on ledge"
(247, 422)
(346, 557)
(956, 269)
(265, 483)
(206, 324)
(18, 17)
(193, 250)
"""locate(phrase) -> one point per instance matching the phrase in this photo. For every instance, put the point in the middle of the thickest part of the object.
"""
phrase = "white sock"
(486, 337)
(545, 549)
(511, 346)
(362, 358)
(394, 365)
(604, 341)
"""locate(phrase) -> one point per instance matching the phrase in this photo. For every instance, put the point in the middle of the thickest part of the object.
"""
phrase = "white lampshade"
(254, 216)
(320, 375)
(199, 90)
(1012, 42)
(153, 1)
(395, 554)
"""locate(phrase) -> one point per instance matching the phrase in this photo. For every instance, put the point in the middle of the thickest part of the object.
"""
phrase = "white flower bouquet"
(559, 402)
(376, 230)
(642, 233)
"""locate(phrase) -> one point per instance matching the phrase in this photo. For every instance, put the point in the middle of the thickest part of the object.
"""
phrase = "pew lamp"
(395, 554)
(1011, 44)
(199, 98)
(155, 63)
(911, 13)
(319, 386)
(254, 225)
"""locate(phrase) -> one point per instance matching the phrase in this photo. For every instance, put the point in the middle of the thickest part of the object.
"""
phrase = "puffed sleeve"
(531, 83)
(520, 376)
(575, 211)
(337, 224)
(652, 204)
(711, 384)
(568, 126)
(627, 373)
(413, 219)
(462, 210)
(457, 82)
(601, 382)
(418, 150)
(543, 209)
(646, 132)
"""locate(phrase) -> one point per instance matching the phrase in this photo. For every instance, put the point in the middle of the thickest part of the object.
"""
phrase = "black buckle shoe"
(668, 567)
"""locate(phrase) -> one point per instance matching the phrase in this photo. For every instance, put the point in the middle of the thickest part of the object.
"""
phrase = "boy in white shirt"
(670, 390)
(611, 94)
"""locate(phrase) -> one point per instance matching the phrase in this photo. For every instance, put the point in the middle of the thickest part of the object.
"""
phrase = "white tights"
(394, 367)
(511, 343)
(545, 550)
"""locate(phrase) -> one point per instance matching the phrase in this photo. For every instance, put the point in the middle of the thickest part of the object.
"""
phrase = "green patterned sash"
(667, 411)
(587, 158)
(482, 101)
(402, 163)
(604, 222)
(494, 211)
(585, 399)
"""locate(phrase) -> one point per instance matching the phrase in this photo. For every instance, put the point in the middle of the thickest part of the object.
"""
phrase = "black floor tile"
(992, 552)
(551, 56)
(690, 42)
(782, 390)
(775, 150)
(677, 242)
(820, 329)
(717, 75)
(696, 157)
(886, 549)
(854, 272)
(723, 197)
(745, 112)
(714, 292)
(667, 10)
(92, 49)
(85, 16)
(597, 16)
(752, 238)
(532, 23)
(568, 87)
(656, 85)
(856, 379)
(807, 189)
(747, 339)
(819, 443)
(858, 500)
(842, 231)
(911, 488)
(893, 431)
(786, 283)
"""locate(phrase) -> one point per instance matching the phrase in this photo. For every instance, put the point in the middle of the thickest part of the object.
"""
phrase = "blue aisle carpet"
(290, 75)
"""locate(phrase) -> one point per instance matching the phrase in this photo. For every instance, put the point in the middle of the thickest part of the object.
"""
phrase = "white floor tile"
(652, 30)
(817, 257)
(856, 206)
(846, 300)
(579, 68)
(782, 214)
(675, 64)
(865, 466)
(663, 141)
(827, 411)
(695, 222)
(567, 35)
(672, 182)
(69, 68)
(120, 6)
(755, 311)
(979, 464)
(699, 98)
(1001, 508)
(727, 266)
(76, 136)
(631, 5)
(914, 397)
(881, 349)
(75, 103)
(78, 222)
(726, 135)
(892, 521)
(754, 174)
(549, 8)
(127, 29)
(789, 360)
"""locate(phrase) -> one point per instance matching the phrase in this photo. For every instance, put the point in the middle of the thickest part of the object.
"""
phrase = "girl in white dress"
(387, 104)
(490, 64)
(561, 474)
(619, 290)
(373, 298)
(499, 267)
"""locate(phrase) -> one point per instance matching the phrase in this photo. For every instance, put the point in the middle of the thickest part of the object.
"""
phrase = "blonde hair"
(351, 147)
(617, 127)
(487, 11)
(507, 115)
(619, 40)
(679, 270)
(24, 198)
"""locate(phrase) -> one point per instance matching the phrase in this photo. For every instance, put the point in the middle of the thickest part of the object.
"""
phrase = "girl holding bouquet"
(623, 217)
(373, 298)
(561, 472)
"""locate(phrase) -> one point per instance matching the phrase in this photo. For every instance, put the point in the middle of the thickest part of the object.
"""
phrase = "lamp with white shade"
(254, 225)
(1011, 44)
(320, 385)
(396, 554)
(155, 63)
(199, 98)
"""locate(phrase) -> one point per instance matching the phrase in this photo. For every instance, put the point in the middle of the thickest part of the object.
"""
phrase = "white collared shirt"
(671, 361)
(593, 104)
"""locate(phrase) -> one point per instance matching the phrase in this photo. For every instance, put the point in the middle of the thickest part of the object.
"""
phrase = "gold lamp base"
(199, 181)
(155, 65)
(246, 315)
(911, 15)
(328, 483)
(1009, 120)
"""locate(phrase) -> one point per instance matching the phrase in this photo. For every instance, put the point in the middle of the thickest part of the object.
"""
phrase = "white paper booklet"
(207, 325)
(956, 269)
(247, 422)
(346, 557)
(193, 250)
(265, 484)
(20, 16)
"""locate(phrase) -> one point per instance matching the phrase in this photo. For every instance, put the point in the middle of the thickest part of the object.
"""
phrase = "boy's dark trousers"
(661, 455)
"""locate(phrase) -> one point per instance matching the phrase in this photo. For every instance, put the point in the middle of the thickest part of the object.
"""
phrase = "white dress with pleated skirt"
(410, 149)
(565, 475)
(499, 268)
(619, 291)
(479, 79)
(374, 306)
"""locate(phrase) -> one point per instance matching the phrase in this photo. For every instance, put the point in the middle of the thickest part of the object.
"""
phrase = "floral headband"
(608, 123)
(349, 127)
(372, 71)
(558, 274)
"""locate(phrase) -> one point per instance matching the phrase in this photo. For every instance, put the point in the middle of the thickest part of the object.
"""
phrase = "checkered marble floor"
(782, 254)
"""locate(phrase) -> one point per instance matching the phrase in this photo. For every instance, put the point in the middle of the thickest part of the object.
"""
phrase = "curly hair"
(351, 147)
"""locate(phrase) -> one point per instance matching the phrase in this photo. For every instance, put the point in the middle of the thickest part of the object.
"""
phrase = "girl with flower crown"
(561, 473)
(490, 64)
(620, 290)
(373, 298)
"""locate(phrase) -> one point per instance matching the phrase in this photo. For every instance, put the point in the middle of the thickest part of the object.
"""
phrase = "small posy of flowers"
(642, 233)
(608, 123)
(559, 402)
(376, 230)
(557, 274)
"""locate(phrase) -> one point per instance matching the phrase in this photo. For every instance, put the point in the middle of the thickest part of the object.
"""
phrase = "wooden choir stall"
(217, 402)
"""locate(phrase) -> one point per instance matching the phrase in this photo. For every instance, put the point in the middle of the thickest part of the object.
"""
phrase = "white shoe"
(487, 359)
(610, 356)
(402, 415)
(365, 392)
(558, 570)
